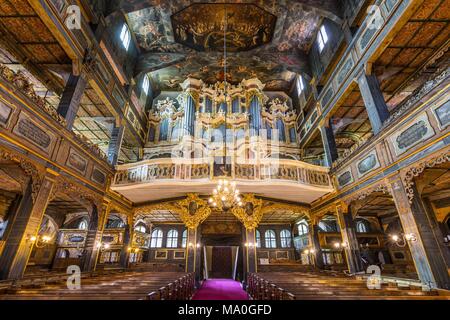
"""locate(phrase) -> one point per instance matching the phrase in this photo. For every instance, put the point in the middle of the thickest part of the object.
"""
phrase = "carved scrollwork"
(417, 169)
(29, 169)
(364, 193)
(192, 210)
(251, 213)
(21, 82)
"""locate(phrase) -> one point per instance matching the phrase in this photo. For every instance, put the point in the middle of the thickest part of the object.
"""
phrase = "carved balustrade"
(264, 170)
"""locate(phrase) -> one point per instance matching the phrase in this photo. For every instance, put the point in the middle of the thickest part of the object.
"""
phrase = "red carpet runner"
(220, 289)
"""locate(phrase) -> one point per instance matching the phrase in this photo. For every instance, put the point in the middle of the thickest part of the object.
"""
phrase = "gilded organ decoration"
(250, 213)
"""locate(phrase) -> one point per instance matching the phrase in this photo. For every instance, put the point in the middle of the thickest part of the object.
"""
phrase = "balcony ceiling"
(268, 39)
(157, 191)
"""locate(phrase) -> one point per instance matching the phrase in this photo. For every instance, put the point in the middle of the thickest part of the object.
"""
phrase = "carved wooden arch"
(359, 198)
(29, 169)
(409, 174)
(329, 209)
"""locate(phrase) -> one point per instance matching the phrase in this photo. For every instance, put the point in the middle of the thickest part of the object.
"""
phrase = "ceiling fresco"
(268, 39)
(201, 26)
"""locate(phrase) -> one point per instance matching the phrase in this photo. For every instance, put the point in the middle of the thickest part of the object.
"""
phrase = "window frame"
(258, 238)
(146, 84)
(302, 229)
(156, 241)
(322, 38)
(172, 238)
(125, 36)
(285, 238)
(83, 222)
(184, 238)
(270, 239)
(300, 84)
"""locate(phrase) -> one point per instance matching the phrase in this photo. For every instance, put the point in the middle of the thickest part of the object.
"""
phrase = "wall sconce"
(340, 245)
(133, 250)
(402, 239)
(102, 246)
(249, 244)
(39, 241)
(310, 253)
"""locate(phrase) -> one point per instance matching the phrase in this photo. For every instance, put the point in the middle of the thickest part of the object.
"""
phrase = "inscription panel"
(368, 163)
(345, 178)
(442, 114)
(5, 113)
(30, 131)
(76, 161)
(98, 176)
(412, 134)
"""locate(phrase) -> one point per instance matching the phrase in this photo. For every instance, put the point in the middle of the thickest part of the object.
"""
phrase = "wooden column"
(376, 107)
(115, 144)
(94, 237)
(191, 250)
(24, 224)
(315, 244)
(428, 259)
(329, 143)
(127, 243)
(71, 98)
(348, 232)
(250, 251)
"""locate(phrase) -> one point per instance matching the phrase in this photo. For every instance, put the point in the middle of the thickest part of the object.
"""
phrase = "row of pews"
(104, 285)
(319, 286)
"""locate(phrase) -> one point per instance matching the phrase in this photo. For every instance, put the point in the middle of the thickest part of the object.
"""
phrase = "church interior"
(224, 150)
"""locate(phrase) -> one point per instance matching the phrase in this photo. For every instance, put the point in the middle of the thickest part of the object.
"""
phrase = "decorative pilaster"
(24, 225)
(429, 262)
(250, 251)
(71, 98)
(348, 232)
(329, 143)
(376, 107)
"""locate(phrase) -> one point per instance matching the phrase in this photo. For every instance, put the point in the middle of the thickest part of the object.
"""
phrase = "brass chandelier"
(225, 195)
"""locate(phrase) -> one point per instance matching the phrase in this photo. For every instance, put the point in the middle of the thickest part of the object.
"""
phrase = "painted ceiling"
(268, 39)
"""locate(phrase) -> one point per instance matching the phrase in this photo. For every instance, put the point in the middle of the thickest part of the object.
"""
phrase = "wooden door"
(222, 262)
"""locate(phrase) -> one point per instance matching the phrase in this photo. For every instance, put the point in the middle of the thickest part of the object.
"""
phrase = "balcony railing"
(203, 169)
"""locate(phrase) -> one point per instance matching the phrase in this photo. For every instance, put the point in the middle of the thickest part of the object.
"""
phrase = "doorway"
(221, 261)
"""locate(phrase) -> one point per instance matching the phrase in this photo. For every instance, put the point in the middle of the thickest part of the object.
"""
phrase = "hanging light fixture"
(225, 195)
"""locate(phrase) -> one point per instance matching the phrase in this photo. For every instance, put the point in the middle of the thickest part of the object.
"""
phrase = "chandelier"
(225, 195)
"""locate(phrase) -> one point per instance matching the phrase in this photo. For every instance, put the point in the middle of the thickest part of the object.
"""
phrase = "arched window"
(258, 239)
(302, 229)
(271, 241)
(157, 237)
(361, 227)
(125, 36)
(140, 228)
(172, 239)
(184, 239)
(83, 225)
(285, 237)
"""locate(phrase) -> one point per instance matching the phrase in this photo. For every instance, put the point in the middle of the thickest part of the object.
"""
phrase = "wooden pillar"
(329, 143)
(251, 260)
(376, 107)
(71, 98)
(115, 144)
(127, 244)
(315, 244)
(348, 232)
(23, 225)
(428, 259)
(193, 239)
(94, 237)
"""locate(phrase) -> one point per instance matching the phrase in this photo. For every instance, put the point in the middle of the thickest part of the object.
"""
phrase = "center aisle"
(220, 289)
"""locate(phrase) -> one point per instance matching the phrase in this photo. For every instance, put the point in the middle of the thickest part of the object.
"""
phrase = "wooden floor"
(120, 286)
(318, 286)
